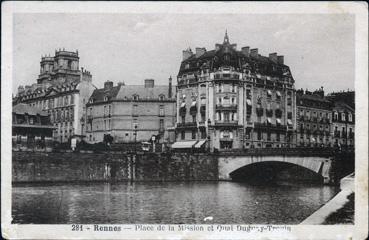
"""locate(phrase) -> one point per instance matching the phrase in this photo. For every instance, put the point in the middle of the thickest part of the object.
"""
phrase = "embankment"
(111, 166)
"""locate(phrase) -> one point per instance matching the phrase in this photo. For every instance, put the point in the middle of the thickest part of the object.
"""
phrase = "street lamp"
(135, 133)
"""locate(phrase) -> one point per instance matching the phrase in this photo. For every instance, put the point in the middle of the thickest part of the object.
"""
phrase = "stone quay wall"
(112, 166)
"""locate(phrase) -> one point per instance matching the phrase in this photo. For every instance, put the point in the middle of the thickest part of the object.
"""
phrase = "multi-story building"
(62, 90)
(131, 113)
(314, 119)
(31, 128)
(235, 99)
(343, 126)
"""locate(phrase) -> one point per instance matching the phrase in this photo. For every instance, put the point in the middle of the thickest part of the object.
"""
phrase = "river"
(168, 202)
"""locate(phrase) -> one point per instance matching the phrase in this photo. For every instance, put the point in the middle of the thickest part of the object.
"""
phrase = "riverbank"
(340, 209)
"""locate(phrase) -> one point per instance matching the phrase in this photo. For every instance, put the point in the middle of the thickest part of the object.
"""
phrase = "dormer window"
(161, 97)
(135, 97)
(91, 100)
(106, 98)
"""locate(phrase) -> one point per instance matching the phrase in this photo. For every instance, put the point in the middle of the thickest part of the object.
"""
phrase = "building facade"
(235, 99)
(62, 90)
(131, 113)
(343, 126)
(31, 128)
(314, 119)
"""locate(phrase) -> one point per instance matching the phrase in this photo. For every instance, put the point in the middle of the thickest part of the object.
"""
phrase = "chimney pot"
(246, 51)
(273, 57)
(200, 51)
(280, 59)
(254, 52)
(149, 83)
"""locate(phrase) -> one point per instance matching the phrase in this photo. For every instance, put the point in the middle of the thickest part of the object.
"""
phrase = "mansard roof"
(99, 94)
(226, 55)
(23, 108)
(128, 91)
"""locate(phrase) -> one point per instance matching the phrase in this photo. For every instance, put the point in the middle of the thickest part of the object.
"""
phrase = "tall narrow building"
(234, 99)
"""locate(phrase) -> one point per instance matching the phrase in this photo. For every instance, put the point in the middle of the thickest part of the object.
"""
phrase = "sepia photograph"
(187, 120)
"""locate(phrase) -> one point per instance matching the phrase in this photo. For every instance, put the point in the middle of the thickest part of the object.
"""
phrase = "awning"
(269, 92)
(278, 121)
(188, 144)
(183, 105)
(269, 120)
(248, 102)
(200, 143)
(193, 104)
(289, 121)
(278, 93)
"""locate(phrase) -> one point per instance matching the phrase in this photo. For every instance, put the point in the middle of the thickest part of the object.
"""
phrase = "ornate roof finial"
(226, 39)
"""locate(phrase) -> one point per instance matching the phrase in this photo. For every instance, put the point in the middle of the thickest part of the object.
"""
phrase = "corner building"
(235, 99)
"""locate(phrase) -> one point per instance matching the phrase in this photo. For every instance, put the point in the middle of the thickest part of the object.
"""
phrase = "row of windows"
(343, 116)
(225, 88)
(54, 102)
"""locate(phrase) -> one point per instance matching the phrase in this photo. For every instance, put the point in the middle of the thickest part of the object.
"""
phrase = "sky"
(318, 48)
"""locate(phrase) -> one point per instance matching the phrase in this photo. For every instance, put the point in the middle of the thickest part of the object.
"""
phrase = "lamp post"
(135, 133)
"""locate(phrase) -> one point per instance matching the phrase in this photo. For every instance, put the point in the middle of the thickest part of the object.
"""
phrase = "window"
(203, 134)
(109, 109)
(104, 110)
(104, 124)
(161, 111)
(183, 134)
(106, 98)
(31, 121)
(135, 97)
(161, 97)
(335, 116)
(350, 117)
(194, 118)
(343, 117)
(259, 135)
(161, 124)
(193, 134)
(71, 99)
(268, 136)
(134, 110)
(183, 119)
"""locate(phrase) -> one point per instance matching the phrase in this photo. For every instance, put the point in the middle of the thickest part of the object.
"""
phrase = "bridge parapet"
(307, 152)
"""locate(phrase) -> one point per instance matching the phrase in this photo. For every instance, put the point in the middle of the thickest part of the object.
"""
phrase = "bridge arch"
(228, 165)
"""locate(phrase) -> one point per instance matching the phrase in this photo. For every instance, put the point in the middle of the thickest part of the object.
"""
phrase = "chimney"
(108, 85)
(149, 83)
(170, 87)
(273, 57)
(20, 89)
(280, 59)
(246, 51)
(254, 52)
(200, 51)
(187, 53)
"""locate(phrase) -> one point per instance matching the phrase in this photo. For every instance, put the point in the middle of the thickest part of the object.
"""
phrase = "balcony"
(187, 125)
(274, 127)
(351, 135)
(222, 106)
(226, 123)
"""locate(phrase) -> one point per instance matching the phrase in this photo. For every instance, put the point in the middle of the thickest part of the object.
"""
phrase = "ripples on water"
(168, 202)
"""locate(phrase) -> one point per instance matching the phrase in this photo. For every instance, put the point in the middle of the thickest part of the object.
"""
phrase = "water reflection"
(169, 202)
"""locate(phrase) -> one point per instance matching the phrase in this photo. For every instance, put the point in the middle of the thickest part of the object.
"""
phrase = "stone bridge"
(318, 164)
